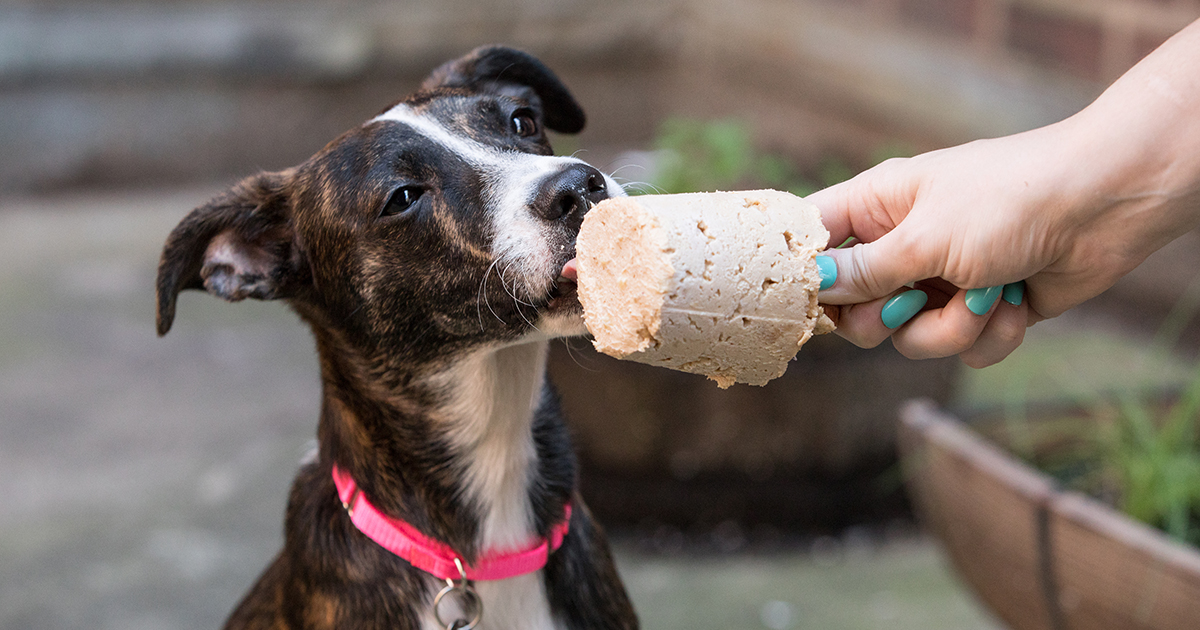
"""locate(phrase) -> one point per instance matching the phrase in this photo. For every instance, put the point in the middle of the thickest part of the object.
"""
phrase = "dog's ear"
(241, 244)
(499, 65)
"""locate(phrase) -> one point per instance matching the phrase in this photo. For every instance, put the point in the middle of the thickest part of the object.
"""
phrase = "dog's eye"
(524, 124)
(401, 199)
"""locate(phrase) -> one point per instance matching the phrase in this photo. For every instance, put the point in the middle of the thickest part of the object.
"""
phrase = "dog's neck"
(450, 449)
(488, 422)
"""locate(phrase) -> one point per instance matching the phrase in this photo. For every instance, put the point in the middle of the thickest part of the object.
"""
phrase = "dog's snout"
(570, 193)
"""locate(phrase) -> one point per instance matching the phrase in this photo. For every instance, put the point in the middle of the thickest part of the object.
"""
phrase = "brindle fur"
(390, 302)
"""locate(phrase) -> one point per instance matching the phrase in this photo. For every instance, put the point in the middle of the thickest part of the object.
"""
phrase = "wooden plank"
(985, 509)
(1118, 573)
(1037, 557)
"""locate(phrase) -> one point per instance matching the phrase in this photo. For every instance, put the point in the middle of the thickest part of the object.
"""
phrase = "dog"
(428, 250)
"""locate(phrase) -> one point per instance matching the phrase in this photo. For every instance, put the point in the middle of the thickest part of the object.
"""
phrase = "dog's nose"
(570, 193)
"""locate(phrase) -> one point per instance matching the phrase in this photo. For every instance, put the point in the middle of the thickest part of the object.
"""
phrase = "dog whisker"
(575, 358)
(531, 324)
(512, 293)
(519, 302)
(479, 295)
(483, 296)
(625, 166)
(643, 187)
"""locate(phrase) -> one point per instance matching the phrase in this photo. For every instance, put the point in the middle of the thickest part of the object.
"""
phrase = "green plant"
(700, 155)
(1131, 450)
(1134, 447)
(1154, 454)
(1134, 452)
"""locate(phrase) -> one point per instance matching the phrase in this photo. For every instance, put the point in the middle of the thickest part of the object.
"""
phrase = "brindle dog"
(425, 248)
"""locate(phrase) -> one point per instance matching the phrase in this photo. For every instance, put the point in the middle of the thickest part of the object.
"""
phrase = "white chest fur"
(488, 421)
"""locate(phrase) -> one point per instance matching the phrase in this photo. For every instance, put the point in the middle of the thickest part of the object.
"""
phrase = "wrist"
(1135, 148)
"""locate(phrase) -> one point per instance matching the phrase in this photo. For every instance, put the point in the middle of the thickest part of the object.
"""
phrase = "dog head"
(443, 222)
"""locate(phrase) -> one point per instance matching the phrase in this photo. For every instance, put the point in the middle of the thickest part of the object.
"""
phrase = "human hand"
(960, 225)
(1068, 209)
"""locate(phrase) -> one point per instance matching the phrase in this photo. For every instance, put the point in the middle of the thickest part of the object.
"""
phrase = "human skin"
(1069, 208)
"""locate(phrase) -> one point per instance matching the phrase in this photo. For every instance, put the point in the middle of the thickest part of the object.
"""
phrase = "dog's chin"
(564, 297)
(561, 324)
(562, 314)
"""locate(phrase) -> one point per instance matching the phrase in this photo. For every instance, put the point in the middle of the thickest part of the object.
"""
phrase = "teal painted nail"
(828, 271)
(980, 301)
(1014, 293)
(902, 308)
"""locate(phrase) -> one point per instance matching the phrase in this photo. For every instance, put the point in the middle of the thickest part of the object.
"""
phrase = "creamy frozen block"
(722, 284)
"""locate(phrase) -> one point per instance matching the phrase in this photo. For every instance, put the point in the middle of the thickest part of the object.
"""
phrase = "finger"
(834, 204)
(869, 323)
(866, 206)
(940, 292)
(1003, 333)
(868, 271)
(950, 330)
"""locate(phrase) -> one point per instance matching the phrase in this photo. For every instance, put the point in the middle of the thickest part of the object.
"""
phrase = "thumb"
(871, 208)
(868, 271)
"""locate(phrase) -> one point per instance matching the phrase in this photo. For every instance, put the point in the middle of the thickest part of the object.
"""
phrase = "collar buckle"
(469, 601)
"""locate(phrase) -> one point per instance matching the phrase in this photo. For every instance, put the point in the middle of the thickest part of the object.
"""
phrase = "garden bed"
(1037, 556)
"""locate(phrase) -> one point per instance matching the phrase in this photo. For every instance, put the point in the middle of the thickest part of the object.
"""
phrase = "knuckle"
(908, 352)
(911, 247)
(1009, 333)
(957, 340)
(853, 326)
(862, 268)
(865, 344)
(978, 360)
(916, 350)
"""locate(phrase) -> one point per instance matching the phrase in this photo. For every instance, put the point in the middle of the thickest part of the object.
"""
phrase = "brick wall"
(186, 90)
(1095, 40)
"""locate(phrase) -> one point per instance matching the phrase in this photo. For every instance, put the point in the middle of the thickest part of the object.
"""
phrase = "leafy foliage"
(1132, 450)
(699, 156)
(1155, 456)
(1135, 447)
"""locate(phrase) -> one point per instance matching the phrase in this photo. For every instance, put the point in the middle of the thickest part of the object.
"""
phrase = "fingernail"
(902, 308)
(1014, 293)
(828, 269)
(980, 301)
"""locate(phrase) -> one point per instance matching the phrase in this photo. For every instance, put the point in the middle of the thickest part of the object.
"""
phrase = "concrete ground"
(144, 479)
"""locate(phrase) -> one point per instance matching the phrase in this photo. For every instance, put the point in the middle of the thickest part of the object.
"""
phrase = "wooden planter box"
(1038, 557)
(803, 453)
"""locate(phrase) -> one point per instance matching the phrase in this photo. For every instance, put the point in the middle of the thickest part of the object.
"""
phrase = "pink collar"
(436, 557)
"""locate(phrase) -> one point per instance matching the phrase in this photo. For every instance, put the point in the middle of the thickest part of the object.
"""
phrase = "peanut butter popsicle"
(722, 284)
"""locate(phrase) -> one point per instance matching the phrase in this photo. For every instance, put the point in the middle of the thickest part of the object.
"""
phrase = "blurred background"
(145, 479)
